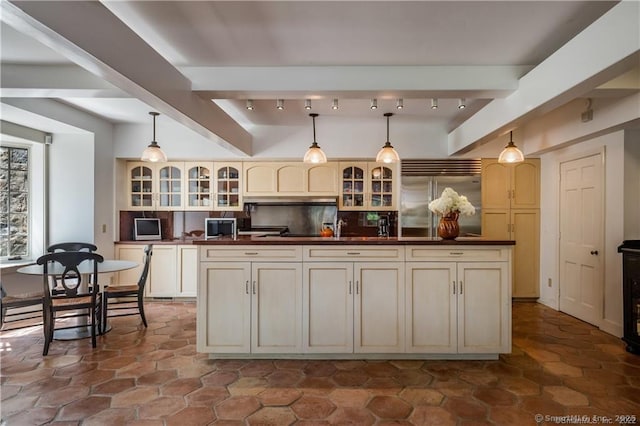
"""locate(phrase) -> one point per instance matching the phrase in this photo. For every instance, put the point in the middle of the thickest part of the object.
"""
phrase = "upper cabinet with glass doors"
(155, 186)
(199, 185)
(227, 186)
(368, 186)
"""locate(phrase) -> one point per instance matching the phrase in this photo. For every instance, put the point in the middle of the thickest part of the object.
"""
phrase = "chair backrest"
(65, 266)
(148, 251)
(72, 246)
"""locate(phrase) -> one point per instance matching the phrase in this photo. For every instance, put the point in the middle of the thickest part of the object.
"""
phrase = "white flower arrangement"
(451, 202)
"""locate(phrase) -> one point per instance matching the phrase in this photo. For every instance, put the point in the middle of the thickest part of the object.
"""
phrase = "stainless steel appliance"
(423, 181)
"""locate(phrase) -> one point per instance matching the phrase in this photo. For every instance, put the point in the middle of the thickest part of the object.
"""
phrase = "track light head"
(462, 103)
(280, 104)
(434, 103)
(334, 104)
(374, 103)
(399, 103)
(307, 104)
(250, 104)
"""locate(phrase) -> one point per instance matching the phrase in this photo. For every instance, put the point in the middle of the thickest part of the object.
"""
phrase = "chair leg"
(4, 313)
(48, 327)
(141, 309)
(105, 302)
(92, 313)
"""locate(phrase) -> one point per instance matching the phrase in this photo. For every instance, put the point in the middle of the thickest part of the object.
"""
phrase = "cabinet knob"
(594, 252)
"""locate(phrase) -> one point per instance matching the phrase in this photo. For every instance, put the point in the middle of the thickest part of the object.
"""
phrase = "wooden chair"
(128, 299)
(17, 304)
(72, 246)
(76, 294)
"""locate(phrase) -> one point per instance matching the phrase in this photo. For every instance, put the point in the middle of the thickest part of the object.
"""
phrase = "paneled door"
(581, 234)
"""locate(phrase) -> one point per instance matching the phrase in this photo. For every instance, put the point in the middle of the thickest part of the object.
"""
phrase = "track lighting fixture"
(314, 154)
(250, 104)
(334, 104)
(374, 103)
(434, 103)
(280, 104)
(153, 153)
(511, 153)
(307, 104)
(387, 154)
(462, 103)
(399, 103)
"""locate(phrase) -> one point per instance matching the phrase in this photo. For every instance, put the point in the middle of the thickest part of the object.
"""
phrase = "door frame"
(565, 158)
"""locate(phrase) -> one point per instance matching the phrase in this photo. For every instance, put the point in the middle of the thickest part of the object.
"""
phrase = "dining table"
(85, 268)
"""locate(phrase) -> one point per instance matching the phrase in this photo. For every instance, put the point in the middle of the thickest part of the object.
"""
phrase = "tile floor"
(559, 367)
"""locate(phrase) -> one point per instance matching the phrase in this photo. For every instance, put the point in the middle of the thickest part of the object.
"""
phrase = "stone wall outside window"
(14, 201)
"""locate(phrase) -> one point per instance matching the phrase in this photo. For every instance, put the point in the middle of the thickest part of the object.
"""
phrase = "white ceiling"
(353, 51)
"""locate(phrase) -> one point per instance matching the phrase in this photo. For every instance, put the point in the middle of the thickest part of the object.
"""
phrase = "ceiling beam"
(607, 48)
(54, 81)
(79, 29)
(479, 82)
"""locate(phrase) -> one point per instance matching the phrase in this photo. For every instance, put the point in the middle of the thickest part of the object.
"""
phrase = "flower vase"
(448, 228)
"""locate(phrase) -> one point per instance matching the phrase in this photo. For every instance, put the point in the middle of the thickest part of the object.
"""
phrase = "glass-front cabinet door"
(227, 186)
(353, 186)
(199, 186)
(154, 186)
(169, 187)
(381, 178)
(140, 186)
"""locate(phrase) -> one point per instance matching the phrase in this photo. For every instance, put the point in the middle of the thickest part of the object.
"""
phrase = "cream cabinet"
(368, 186)
(250, 306)
(353, 307)
(510, 211)
(227, 186)
(155, 186)
(290, 179)
(198, 188)
(510, 186)
(459, 306)
(172, 272)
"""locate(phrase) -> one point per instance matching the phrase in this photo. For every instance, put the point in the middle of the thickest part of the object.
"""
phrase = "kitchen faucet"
(339, 224)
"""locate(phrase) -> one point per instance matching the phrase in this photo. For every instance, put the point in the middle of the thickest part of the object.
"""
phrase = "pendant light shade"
(153, 153)
(314, 154)
(387, 154)
(511, 153)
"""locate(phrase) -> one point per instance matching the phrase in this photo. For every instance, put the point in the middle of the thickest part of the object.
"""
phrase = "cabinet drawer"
(231, 253)
(479, 253)
(364, 253)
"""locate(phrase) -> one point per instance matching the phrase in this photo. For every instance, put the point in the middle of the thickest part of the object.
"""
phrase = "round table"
(106, 266)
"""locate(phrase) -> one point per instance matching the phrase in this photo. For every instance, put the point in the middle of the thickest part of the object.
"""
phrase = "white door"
(163, 272)
(581, 234)
(379, 307)
(276, 307)
(328, 307)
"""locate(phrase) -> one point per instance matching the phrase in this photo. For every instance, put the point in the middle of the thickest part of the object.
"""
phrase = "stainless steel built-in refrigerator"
(416, 220)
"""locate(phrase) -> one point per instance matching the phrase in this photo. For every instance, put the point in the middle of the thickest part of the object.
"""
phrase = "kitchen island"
(354, 298)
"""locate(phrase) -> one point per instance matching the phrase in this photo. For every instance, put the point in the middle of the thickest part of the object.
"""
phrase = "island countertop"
(282, 240)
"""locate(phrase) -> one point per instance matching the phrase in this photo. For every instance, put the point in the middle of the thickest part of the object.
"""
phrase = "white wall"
(71, 193)
(339, 137)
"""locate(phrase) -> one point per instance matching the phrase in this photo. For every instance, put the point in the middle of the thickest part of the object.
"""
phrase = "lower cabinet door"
(134, 253)
(431, 313)
(224, 307)
(484, 307)
(188, 261)
(163, 272)
(327, 324)
(276, 302)
(379, 307)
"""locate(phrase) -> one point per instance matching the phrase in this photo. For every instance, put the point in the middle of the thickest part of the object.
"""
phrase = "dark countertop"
(277, 240)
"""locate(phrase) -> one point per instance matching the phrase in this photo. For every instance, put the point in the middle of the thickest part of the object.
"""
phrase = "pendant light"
(314, 154)
(511, 153)
(153, 153)
(387, 154)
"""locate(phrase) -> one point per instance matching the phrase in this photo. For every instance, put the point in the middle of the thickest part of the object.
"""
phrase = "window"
(14, 202)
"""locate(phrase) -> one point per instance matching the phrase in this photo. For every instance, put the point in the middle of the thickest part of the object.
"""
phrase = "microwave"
(216, 227)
